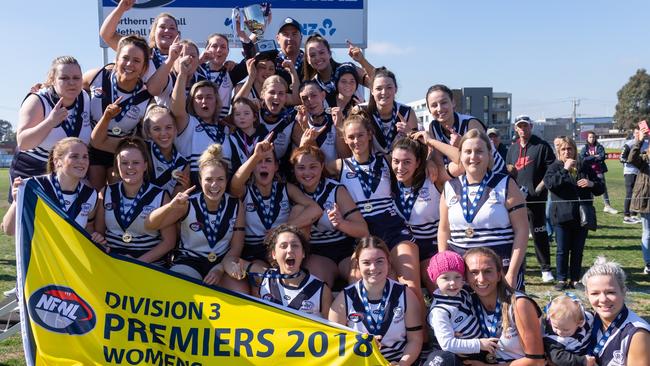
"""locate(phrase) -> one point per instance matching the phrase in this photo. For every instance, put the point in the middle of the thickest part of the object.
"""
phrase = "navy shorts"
(334, 251)
(252, 252)
(200, 264)
(427, 248)
(100, 157)
(389, 228)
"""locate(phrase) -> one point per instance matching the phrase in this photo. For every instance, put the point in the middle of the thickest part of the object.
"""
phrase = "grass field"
(613, 239)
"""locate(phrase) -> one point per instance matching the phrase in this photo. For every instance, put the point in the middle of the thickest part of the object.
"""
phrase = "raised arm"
(169, 213)
(108, 30)
(99, 136)
(157, 82)
(345, 215)
(166, 244)
(367, 73)
(179, 99)
(239, 179)
(245, 89)
(33, 125)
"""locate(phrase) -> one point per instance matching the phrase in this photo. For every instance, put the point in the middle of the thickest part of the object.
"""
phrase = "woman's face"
(483, 275)
(265, 68)
(275, 97)
(204, 103)
(373, 265)
(312, 98)
(566, 152)
(213, 181)
(243, 116)
(288, 252)
(404, 164)
(265, 170)
(162, 129)
(318, 56)
(130, 63)
(605, 296)
(67, 81)
(440, 106)
(219, 49)
(347, 85)
(193, 62)
(357, 137)
(591, 139)
(475, 156)
(74, 163)
(165, 33)
(384, 90)
(308, 170)
(132, 166)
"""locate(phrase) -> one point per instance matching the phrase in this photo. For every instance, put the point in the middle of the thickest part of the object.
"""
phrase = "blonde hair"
(564, 141)
(61, 60)
(565, 307)
(155, 110)
(274, 79)
(213, 155)
(152, 30)
(603, 267)
(476, 133)
(60, 149)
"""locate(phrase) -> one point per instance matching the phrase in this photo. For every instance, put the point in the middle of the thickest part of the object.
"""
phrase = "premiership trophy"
(255, 18)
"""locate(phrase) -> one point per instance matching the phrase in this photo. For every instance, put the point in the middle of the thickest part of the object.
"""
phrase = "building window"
(486, 103)
(485, 118)
(468, 104)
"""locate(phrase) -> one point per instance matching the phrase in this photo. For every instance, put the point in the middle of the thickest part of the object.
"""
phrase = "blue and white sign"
(336, 20)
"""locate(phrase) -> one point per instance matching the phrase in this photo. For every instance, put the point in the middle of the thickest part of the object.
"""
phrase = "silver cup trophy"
(255, 18)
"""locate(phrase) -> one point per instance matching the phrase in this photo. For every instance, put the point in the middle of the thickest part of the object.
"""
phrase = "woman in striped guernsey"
(211, 224)
(59, 109)
(277, 117)
(197, 118)
(484, 208)
(125, 207)
(417, 198)
(366, 175)
(332, 236)
(260, 69)
(381, 307)
(269, 201)
(286, 282)
(64, 184)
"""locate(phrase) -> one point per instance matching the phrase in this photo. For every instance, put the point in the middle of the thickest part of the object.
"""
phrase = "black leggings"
(537, 224)
(629, 186)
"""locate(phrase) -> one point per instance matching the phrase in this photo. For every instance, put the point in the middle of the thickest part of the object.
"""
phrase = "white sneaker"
(646, 269)
(547, 277)
(636, 219)
(610, 210)
(629, 220)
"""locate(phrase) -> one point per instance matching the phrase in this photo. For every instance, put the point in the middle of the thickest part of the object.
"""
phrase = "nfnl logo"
(59, 309)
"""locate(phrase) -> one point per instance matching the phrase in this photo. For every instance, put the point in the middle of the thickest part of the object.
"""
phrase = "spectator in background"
(641, 193)
(531, 156)
(629, 174)
(594, 154)
(493, 134)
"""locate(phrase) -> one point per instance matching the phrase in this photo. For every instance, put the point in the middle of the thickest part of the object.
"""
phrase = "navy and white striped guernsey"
(459, 312)
(255, 228)
(242, 146)
(326, 140)
(193, 239)
(78, 205)
(142, 239)
(322, 231)
(579, 343)
(134, 103)
(385, 131)
(381, 199)
(78, 123)
(393, 327)
(282, 130)
(461, 126)
(615, 351)
(162, 173)
(307, 297)
(425, 214)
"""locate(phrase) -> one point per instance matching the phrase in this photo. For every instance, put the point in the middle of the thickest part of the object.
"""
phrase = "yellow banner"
(85, 307)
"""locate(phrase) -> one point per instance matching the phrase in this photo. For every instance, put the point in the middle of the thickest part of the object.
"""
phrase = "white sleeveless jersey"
(240, 149)
(326, 141)
(134, 103)
(425, 213)
(458, 311)
(491, 225)
(255, 229)
(194, 242)
(193, 140)
(282, 129)
(615, 351)
(385, 128)
(142, 240)
(77, 205)
(224, 81)
(322, 232)
(307, 297)
(78, 119)
(163, 170)
(461, 126)
(381, 199)
(393, 327)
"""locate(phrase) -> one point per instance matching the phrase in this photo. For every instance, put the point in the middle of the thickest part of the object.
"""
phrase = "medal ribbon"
(213, 131)
(127, 218)
(489, 330)
(282, 57)
(159, 155)
(328, 86)
(59, 192)
(221, 74)
(469, 208)
(209, 230)
(600, 343)
(374, 325)
(125, 104)
(275, 274)
(157, 57)
(370, 180)
(405, 204)
(389, 134)
(267, 212)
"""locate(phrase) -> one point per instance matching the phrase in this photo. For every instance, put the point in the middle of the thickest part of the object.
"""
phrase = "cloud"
(388, 48)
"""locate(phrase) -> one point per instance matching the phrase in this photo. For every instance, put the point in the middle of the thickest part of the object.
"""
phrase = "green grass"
(613, 239)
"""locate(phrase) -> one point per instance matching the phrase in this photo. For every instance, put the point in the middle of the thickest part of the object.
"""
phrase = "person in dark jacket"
(593, 153)
(531, 156)
(641, 192)
(502, 149)
(572, 183)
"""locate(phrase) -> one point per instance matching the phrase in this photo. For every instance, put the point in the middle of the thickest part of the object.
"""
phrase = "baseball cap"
(523, 118)
(290, 21)
(492, 131)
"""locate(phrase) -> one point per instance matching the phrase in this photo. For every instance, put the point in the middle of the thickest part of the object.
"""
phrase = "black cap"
(290, 21)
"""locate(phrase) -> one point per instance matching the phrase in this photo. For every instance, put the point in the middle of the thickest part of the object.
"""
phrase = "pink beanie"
(446, 261)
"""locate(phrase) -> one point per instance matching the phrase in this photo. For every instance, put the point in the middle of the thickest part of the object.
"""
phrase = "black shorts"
(427, 248)
(100, 157)
(24, 166)
(334, 251)
(200, 264)
(162, 262)
(389, 228)
(252, 252)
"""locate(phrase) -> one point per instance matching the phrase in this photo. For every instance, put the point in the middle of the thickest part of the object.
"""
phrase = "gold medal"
(491, 358)
(176, 173)
(126, 237)
(116, 130)
(469, 232)
(328, 110)
(212, 257)
(367, 207)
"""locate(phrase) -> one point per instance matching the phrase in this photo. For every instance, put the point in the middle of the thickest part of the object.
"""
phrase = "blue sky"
(544, 52)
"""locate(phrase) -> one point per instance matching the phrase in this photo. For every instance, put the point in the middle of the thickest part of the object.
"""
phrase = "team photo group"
(302, 180)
